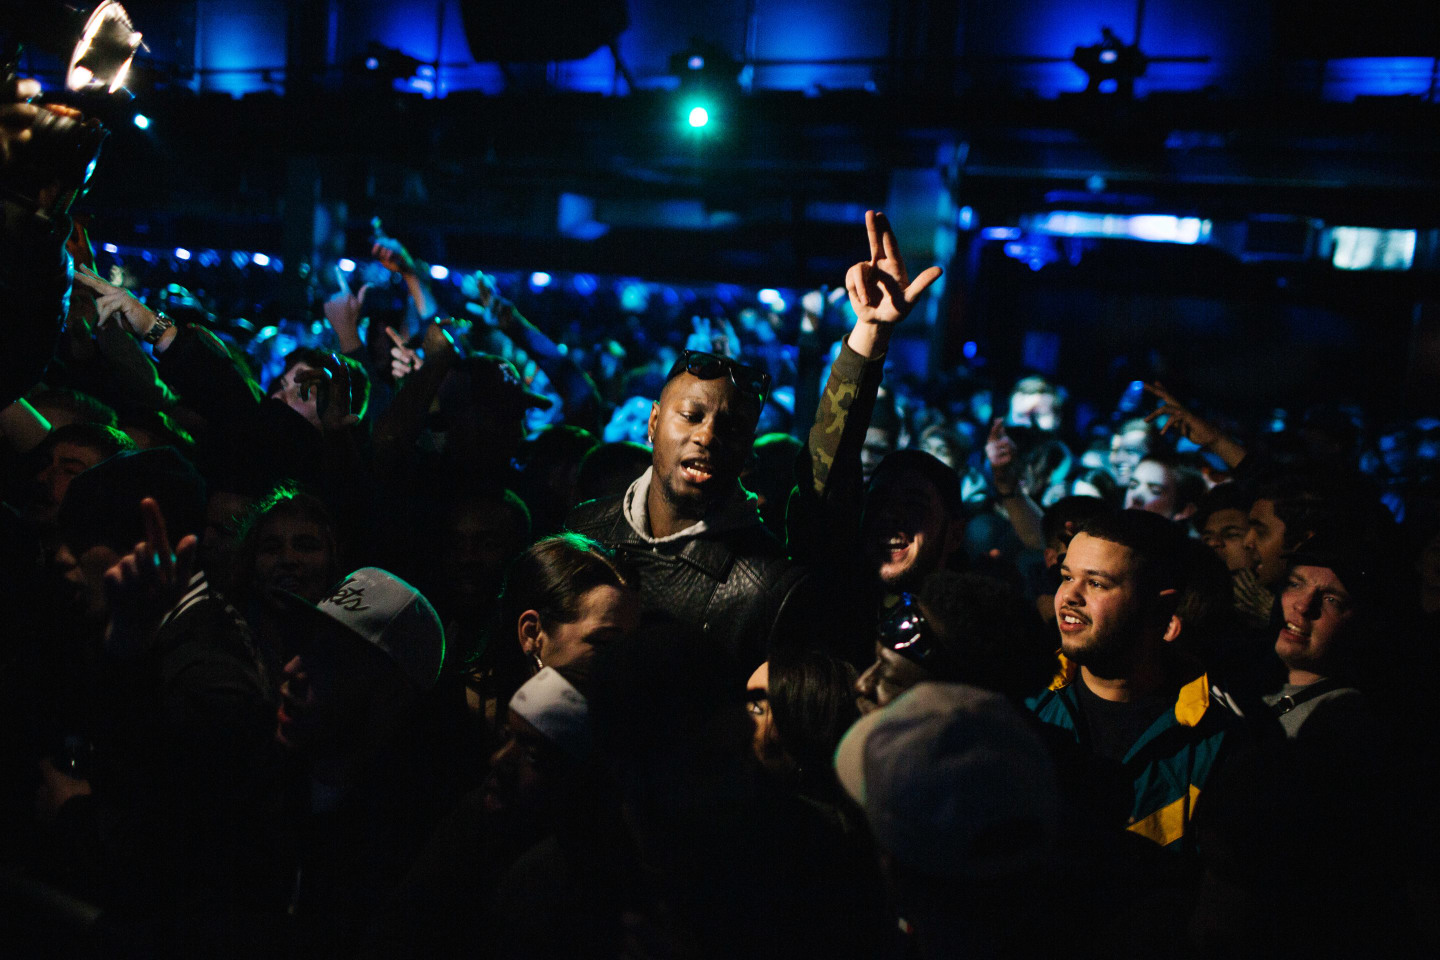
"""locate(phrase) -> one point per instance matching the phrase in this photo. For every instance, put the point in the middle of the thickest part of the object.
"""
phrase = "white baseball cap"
(390, 615)
(953, 782)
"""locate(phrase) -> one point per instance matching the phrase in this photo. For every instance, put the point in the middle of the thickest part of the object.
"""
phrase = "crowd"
(422, 636)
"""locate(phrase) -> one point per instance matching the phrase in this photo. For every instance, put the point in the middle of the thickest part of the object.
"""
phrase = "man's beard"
(1110, 657)
(693, 507)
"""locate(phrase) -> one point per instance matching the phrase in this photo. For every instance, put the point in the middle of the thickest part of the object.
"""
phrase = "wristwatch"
(158, 328)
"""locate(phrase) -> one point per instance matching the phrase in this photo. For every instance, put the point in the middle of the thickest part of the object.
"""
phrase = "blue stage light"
(698, 117)
(261, 260)
(540, 279)
(181, 253)
(142, 121)
(439, 272)
(346, 264)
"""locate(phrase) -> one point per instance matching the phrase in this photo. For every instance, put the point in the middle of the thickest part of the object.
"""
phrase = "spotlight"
(701, 61)
(439, 272)
(142, 121)
(181, 253)
(1111, 65)
(110, 248)
(53, 167)
(346, 264)
(708, 78)
(261, 260)
(106, 49)
(385, 64)
(540, 279)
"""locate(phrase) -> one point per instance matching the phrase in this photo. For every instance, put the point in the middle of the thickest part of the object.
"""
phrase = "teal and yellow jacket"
(1171, 762)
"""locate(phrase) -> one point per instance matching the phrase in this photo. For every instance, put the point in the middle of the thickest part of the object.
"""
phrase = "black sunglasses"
(712, 366)
(906, 632)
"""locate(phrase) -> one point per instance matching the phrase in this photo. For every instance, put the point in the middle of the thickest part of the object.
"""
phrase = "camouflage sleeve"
(824, 510)
(842, 420)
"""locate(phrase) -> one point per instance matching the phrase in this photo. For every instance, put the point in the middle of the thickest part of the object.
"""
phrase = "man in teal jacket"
(1148, 731)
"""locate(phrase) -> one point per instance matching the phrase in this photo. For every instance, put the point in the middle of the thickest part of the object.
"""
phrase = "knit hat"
(953, 782)
(553, 706)
(945, 480)
(390, 615)
(1363, 565)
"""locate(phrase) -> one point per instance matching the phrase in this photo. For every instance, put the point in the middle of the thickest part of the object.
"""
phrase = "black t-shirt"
(1112, 727)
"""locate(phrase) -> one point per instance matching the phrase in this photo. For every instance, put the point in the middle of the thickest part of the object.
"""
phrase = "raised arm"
(1192, 427)
(393, 255)
(828, 469)
(580, 396)
(192, 361)
(1023, 513)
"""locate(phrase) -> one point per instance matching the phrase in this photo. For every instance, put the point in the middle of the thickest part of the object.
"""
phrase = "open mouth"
(697, 471)
(1071, 621)
(896, 545)
(1296, 632)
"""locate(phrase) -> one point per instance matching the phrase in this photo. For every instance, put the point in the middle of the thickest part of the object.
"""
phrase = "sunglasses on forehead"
(712, 366)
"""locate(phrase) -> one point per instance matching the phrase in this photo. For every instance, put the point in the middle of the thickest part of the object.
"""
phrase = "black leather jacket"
(736, 587)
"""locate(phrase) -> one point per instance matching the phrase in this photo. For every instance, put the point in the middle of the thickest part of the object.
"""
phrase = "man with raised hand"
(888, 536)
(175, 813)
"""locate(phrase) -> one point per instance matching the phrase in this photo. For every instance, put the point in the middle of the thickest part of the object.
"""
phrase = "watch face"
(158, 328)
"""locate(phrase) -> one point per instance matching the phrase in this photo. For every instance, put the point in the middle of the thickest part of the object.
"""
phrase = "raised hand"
(16, 119)
(114, 305)
(880, 289)
(480, 287)
(147, 582)
(1192, 427)
(333, 392)
(344, 311)
(1004, 456)
(403, 359)
(392, 254)
(1177, 415)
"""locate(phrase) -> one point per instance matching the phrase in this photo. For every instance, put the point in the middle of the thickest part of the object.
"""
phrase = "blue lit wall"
(233, 39)
(236, 38)
(1377, 77)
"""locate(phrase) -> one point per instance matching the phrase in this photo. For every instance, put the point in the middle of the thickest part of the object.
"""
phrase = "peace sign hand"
(880, 289)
